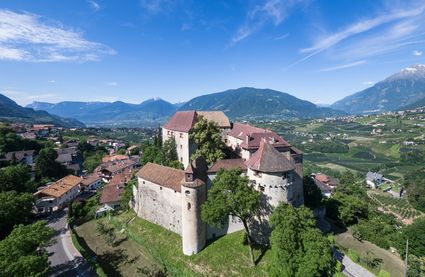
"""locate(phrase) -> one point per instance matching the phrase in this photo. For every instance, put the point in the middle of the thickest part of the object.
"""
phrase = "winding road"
(64, 259)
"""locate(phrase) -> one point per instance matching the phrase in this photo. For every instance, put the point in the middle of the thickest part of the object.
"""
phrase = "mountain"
(251, 103)
(148, 113)
(10, 111)
(399, 90)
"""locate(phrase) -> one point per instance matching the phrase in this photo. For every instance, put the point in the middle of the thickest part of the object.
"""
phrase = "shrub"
(353, 255)
(383, 273)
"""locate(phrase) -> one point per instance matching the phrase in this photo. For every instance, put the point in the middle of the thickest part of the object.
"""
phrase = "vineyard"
(398, 206)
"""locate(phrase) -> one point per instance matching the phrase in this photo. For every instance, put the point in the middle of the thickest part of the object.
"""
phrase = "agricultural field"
(400, 207)
(360, 144)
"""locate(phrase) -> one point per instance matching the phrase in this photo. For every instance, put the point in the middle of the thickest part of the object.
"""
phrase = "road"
(351, 269)
(64, 259)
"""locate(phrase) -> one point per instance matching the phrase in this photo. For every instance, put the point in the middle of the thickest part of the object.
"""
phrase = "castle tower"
(193, 193)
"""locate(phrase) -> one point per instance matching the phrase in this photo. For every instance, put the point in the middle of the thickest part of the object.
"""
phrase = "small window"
(181, 135)
(181, 146)
(143, 182)
(187, 192)
(189, 206)
(181, 159)
(160, 188)
(261, 188)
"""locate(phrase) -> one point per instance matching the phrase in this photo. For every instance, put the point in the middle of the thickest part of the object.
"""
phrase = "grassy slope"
(157, 247)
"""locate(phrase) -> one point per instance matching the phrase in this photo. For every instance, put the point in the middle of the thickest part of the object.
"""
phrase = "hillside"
(10, 111)
(399, 90)
(149, 112)
(252, 103)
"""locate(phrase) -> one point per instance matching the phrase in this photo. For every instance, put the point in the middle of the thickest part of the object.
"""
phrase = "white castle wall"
(159, 205)
(183, 146)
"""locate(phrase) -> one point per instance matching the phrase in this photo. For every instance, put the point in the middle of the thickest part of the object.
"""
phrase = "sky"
(133, 50)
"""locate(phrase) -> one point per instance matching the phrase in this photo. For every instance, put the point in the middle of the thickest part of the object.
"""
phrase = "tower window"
(189, 206)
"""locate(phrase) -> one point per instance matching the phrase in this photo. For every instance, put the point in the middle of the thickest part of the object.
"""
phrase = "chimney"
(247, 139)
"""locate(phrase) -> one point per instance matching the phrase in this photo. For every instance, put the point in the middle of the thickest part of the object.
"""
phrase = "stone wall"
(159, 205)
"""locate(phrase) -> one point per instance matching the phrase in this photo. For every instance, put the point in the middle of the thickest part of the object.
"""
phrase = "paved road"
(351, 269)
(64, 259)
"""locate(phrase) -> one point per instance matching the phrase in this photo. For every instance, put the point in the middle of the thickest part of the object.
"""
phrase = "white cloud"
(403, 24)
(112, 84)
(281, 37)
(52, 81)
(361, 27)
(29, 37)
(343, 66)
(417, 53)
(23, 98)
(270, 11)
(155, 6)
(95, 6)
(368, 83)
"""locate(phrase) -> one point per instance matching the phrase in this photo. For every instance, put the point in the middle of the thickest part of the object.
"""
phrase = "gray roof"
(372, 176)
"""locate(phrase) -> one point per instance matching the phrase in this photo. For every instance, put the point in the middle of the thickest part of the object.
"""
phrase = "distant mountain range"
(10, 111)
(403, 90)
(260, 104)
(242, 103)
(148, 113)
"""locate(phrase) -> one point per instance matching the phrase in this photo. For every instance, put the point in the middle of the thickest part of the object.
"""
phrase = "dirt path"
(391, 262)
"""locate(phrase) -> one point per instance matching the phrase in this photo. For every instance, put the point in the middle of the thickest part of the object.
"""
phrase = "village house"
(110, 169)
(91, 182)
(24, 157)
(374, 179)
(172, 198)
(57, 195)
(326, 184)
(111, 192)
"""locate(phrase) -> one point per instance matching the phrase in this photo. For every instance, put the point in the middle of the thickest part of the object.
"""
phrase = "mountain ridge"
(11, 111)
(399, 90)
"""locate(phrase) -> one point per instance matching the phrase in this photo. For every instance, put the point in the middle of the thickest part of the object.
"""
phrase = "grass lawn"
(226, 256)
(121, 260)
(143, 244)
(390, 262)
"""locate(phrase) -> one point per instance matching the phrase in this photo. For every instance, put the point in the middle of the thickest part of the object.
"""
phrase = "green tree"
(15, 177)
(127, 194)
(348, 209)
(207, 135)
(169, 150)
(46, 165)
(298, 247)
(23, 252)
(15, 208)
(231, 195)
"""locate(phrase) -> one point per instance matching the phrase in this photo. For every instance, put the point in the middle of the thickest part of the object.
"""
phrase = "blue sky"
(93, 50)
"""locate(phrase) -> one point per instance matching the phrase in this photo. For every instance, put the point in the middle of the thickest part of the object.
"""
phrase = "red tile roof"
(162, 175)
(227, 164)
(181, 121)
(253, 140)
(90, 179)
(113, 190)
(60, 187)
(268, 159)
(240, 130)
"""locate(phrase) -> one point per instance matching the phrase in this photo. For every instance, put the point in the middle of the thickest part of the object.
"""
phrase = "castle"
(172, 198)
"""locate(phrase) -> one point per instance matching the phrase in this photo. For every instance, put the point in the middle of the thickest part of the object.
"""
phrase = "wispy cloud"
(269, 12)
(155, 6)
(29, 37)
(281, 37)
(95, 6)
(23, 98)
(402, 23)
(343, 66)
(52, 81)
(417, 53)
(112, 84)
(368, 83)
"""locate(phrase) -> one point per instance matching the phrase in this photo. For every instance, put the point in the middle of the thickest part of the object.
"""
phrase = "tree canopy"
(207, 135)
(231, 195)
(15, 177)
(46, 165)
(163, 154)
(23, 253)
(15, 208)
(312, 194)
(298, 247)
